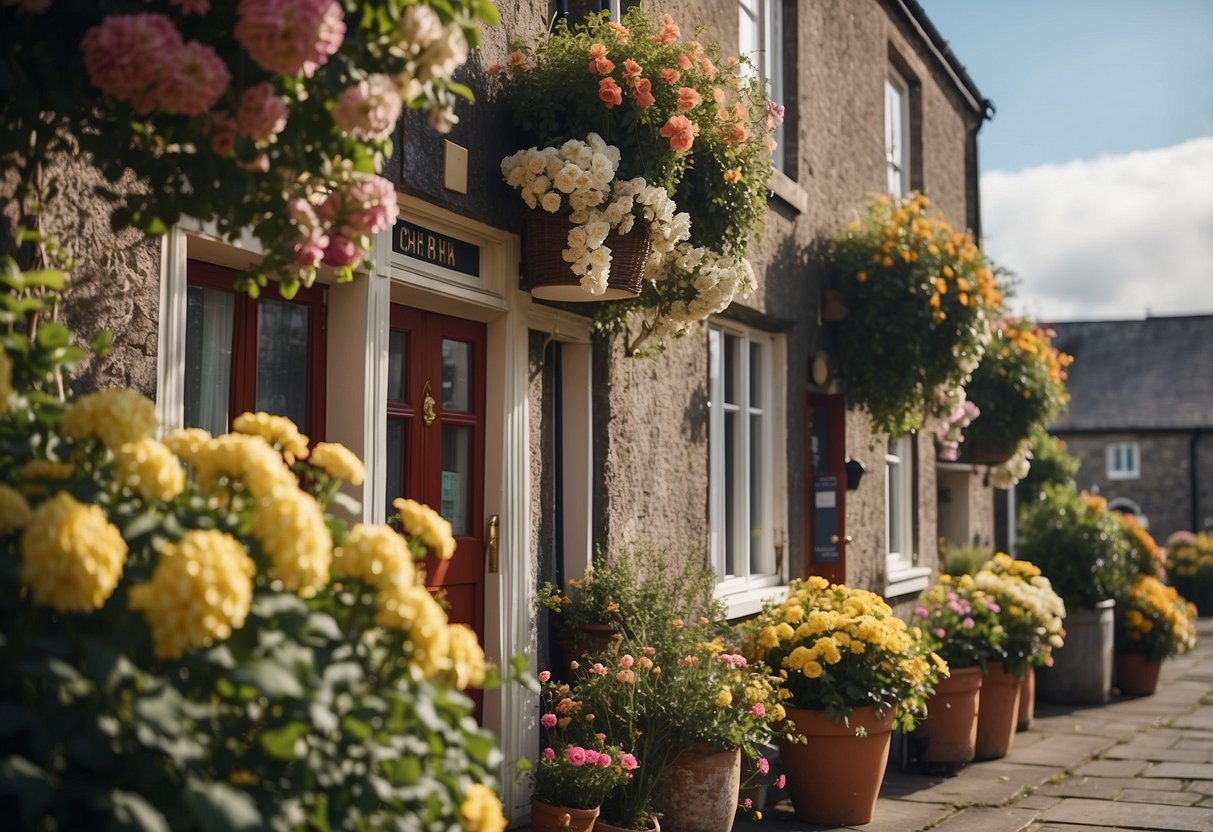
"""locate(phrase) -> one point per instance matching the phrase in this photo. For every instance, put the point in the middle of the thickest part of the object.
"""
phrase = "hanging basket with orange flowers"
(921, 300)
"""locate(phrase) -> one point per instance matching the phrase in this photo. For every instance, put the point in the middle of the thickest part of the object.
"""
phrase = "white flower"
(566, 179)
(551, 202)
(596, 232)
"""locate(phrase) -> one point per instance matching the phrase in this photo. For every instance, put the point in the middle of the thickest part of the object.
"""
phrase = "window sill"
(749, 601)
(908, 580)
(796, 197)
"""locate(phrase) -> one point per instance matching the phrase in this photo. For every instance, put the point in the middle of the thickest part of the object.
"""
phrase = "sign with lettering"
(420, 243)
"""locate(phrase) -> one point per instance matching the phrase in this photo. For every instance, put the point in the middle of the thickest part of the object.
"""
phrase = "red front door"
(826, 488)
(435, 446)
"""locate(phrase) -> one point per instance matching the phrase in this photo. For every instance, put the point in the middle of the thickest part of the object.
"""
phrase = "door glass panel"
(819, 439)
(208, 358)
(730, 493)
(757, 513)
(282, 359)
(456, 375)
(456, 476)
(395, 462)
(397, 355)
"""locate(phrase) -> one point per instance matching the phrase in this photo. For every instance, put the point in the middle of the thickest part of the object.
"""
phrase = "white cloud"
(1109, 238)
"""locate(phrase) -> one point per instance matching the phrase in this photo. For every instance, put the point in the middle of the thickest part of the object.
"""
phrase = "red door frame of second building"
(825, 488)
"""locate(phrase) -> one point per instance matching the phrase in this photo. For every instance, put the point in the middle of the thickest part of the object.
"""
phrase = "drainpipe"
(1194, 479)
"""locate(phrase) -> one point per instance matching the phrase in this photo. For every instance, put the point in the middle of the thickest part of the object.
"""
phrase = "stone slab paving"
(1157, 796)
(993, 783)
(1184, 771)
(1134, 751)
(1052, 827)
(1059, 750)
(988, 819)
(1150, 816)
(1113, 768)
(1105, 788)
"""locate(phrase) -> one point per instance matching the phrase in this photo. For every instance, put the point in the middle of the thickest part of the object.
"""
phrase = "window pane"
(758, 543)
(894, 507)
(756, 376)
(456, 375)
(456, 476)
(397, 354)
(732, 356)
(208, 358)
(819, 438)
(731, 555)
(283, 331)
(395, 462)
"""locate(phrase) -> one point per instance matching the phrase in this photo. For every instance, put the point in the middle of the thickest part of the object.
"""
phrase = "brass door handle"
(428, 414)
(490, 543)
(834, 539)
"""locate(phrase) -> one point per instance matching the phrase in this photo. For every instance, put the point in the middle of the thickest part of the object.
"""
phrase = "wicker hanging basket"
(548, 277)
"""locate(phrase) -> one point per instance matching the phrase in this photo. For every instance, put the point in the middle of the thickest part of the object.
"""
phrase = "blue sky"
(1097, 185)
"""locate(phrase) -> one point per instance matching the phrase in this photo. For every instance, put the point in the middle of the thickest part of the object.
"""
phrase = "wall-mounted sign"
(420, 243)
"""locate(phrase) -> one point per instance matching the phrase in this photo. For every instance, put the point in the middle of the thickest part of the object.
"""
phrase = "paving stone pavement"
(1131, 764)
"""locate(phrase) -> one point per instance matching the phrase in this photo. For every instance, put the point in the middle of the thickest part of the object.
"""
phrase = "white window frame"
(760, 38)
(897, 132)
(743, 593)
(1123, 460)
(902, 575)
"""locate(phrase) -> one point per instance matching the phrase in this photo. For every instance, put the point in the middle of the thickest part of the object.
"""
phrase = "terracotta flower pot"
(590, 640)
(1137, 675)
(699, 789)
(548, 818)
(835, 778)
(1027, 699)
(999, 712)
(950, 728)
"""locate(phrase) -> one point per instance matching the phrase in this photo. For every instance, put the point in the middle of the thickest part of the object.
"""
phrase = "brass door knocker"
(428, 415)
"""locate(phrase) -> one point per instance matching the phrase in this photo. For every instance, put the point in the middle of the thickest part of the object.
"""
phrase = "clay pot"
(698, 791)
(1137, 675)
(591, 640)
(548, 818)
(999, 712)
(835, 778)
(1027, 699)
(950, 728)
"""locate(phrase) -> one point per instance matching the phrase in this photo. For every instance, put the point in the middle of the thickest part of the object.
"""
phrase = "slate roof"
(1151, 374)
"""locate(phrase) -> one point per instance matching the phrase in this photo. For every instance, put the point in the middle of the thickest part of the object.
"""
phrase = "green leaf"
(26, 784)
(283, 743)
(133, 811)
(101, 344)
(325, 626)
(269, 677)
(53, 335)
(218, 807)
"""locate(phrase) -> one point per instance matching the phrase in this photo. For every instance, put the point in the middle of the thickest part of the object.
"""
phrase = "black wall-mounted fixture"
(855, 472)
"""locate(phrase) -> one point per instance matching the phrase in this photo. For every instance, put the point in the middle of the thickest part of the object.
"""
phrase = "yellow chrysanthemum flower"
(14, 511)
(481, 810)
(200, 592)
(150, 468)
(339, 462)
(422, 522)
(71, 555)
(114, 416)
(377, 555)
(724, 698)
(466, 660)
(413, 610)
(246, 458)
(289, 525)
(187, 443)
(279, 431)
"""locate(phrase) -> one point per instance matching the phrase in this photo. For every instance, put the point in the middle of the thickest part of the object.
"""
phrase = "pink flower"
(575, 754)
(774, 115)
(597, 669)
(626, 677)
(628, 762)
(341, 251)
(193, 80)
(650, 651)
(548, 720)
(642, 91)
(609, 93)
(127, 55)
(681, 132)
(366, 206)
(688, 98)
(562, 707)
(370, 108)
(604, 761)
(626, 661)
(781, 781)
(968, 623)
(631, 70)
(763, 765)
(223, 134)
(262, 115)
(290, 36)
(670, 76)
(591, 757)
(759, 710)
(545, 675)
(748, 803)
(940, 632)
(549, 754)
(599, 63)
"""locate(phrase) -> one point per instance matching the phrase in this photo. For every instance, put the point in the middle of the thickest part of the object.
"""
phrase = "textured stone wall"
(115, 285)
(1164, 489)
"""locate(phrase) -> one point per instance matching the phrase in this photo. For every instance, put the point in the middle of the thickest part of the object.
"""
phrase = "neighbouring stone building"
(541, 440)
(1141, 416)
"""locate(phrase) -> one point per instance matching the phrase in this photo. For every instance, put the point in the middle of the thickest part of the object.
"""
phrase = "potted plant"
(682, 129)
(921, 299)
(1153, 622)
(1032, 615)
(1018, 386)
(850, 670)
(1190, 567)
(961, 624)
(1079, 546)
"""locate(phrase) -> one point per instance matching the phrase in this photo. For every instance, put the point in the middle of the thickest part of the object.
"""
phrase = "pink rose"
(763, 765)
(759, 710)
(626, 661)
(604, 760)
(781, 781)
(609, 93)
(262, 115)
(575, 754)
(544, 675)
(290, 36)
(341, 251)
(370, 108)
(628, 762)
(193, 81)
(642, 91)
(127, 55)
(549, 754)
(591, 757)
(548, 720)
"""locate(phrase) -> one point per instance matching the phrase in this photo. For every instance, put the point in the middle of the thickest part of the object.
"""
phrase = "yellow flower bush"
(202, 589)
(377, 555)
(114, 416)
(150, 468)
(289, 524)
(1191, 556)
(428, 526)
(72, 556)
(338, 461)
(279, 431)
(1032, 614)
(836, 649)
(481, 810)
(1154, 619)
(14, 511)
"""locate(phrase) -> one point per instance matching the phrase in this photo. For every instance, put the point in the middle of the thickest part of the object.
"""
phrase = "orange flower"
(685, 62)
(642, 91)
(621, 32)
(670, 76)
(718, 94)
(695, 48)
(609, 93)
(688, 98)
(517, 59)
(732, 176)
(738, 134)
(599, 64)
(669, 31)
(631, 70)
(709, 68)
(681, 132)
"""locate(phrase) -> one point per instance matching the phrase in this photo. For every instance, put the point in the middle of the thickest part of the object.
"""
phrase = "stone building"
(541, 440)
(1141, 416)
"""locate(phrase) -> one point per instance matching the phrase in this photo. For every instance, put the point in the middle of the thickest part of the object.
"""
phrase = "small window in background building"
(1124, 461)
(897, 133)
(760, 38)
